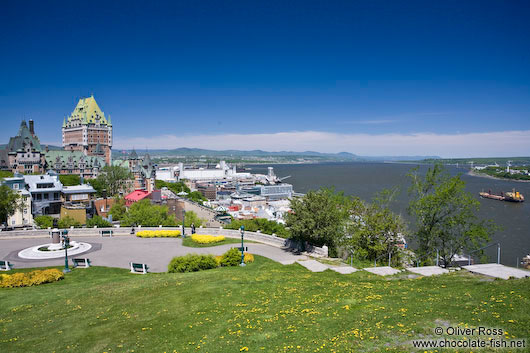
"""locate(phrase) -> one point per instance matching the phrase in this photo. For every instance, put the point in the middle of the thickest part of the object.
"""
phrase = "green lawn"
(190, 243)
(265, 307)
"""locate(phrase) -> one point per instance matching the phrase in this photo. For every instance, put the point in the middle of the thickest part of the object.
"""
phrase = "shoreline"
(481, 175)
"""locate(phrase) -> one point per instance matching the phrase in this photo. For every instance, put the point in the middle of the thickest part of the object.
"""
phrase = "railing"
(485, 247)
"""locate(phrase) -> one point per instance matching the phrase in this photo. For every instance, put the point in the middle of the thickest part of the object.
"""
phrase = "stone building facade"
(88, 130)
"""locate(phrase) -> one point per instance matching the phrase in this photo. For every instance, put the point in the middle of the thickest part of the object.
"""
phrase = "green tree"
(374, 230)
(5, 174)
(70, 179)
(319, 218)
(261, 224)
(445, 215)
(114, 179)
(175, 187)
(68, 222)
(145, 214)
(97, 221)
(192, 218)
(196, 197)
(44, 222)
(10, 201)
(118, 209)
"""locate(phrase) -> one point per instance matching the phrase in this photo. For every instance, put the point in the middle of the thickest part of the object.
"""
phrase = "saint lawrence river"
(366, 179)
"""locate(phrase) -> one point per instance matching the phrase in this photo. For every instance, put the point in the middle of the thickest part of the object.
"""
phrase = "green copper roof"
(23, 137)
(63, 158)
(87, 111)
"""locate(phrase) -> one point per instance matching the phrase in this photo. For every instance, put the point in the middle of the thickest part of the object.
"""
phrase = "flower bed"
(158, 233)
(28, 279)
(207, 239)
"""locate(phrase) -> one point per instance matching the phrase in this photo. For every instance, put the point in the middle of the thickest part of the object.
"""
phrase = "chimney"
(31, 127)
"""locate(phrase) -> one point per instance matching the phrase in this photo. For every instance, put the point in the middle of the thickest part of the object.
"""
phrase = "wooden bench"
(138, 268)
(5, 265)
(106, 233)
(81, 263)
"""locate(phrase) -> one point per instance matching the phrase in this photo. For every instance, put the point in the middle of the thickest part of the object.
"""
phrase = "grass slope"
(263, 307)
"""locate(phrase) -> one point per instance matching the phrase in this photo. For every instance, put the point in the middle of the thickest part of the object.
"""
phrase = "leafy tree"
(98, 185)
(192, 218)
(118, 209)
(196, 197)
(374, 230)
(145, 214)
(97, 221)
(10, 201)
(261, 224)
(175, 187)
(68, 222)
(179, 187)
(114, 179)
(70, 179)
(319, 218)
(44, 222)
(445, 215)
(5, 174)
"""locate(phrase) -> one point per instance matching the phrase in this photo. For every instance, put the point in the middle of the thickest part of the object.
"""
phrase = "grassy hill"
(263, 307)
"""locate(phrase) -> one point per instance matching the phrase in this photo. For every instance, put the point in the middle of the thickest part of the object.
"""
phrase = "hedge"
(28, 279)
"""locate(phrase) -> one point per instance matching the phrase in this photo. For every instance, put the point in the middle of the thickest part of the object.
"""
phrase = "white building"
(221, 171)
(22, 216)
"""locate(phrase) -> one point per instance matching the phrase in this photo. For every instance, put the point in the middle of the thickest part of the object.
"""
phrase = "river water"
(366, 179)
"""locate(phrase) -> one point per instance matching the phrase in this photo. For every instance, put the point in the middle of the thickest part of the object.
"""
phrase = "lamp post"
(66, 243)
(242, 247)
(183, 223)
(104, 192)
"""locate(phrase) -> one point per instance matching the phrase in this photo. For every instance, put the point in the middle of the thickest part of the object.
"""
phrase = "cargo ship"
(511, 196)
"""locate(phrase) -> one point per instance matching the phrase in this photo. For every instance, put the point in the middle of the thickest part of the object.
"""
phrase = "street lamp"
(242, 247)
(183, 222)
(66, 244)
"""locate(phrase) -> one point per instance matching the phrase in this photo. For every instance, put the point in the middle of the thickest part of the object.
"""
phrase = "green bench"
(106, 233)
(5, 265)
(81, 263)
(138, 268)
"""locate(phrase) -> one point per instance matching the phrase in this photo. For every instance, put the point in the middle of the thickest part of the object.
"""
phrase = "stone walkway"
(497, 271)
(382, 271)
(313, 265)
(428, 270)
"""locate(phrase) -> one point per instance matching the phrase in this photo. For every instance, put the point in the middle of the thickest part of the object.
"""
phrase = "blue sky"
(368, 77)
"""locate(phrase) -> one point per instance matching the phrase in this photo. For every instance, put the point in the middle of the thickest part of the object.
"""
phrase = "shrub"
(231, 258)
(29, 279)
(261, 224)
(44, 221)
(207, 239)
(158, 233)
(248, 258)
(68, 222)
(97, 221)
(192, 263)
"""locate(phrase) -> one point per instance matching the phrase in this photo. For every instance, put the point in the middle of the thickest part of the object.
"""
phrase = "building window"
(56, 196)
(38, 196)
(25, 211)
(46, 196)
(15, 186)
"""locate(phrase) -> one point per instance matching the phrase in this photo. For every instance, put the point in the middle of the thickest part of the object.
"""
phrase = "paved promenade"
(120, 250)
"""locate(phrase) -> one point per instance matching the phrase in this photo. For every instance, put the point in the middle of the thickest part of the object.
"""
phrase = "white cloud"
(502, 143)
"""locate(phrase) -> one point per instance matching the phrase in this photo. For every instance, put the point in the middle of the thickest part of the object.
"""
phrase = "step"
(428, 270)
(345, 270)
(497, 271)
(382, 271)
(313, 265)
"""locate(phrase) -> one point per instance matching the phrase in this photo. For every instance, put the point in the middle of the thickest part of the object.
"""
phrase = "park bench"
(81, 263)
(138, 268)
(5, 265)
(106, 233)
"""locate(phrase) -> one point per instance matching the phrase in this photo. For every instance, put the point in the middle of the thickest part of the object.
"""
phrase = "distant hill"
(198, 152)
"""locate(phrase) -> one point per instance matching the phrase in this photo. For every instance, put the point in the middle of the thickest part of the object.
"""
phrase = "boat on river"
(511, 196)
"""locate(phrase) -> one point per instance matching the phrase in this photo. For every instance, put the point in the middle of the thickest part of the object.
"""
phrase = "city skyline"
(370, 79)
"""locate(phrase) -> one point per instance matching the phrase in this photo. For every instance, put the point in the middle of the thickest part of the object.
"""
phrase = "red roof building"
(136, 196)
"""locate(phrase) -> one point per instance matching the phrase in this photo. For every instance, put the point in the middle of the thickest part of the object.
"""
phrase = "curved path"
(120, 250)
